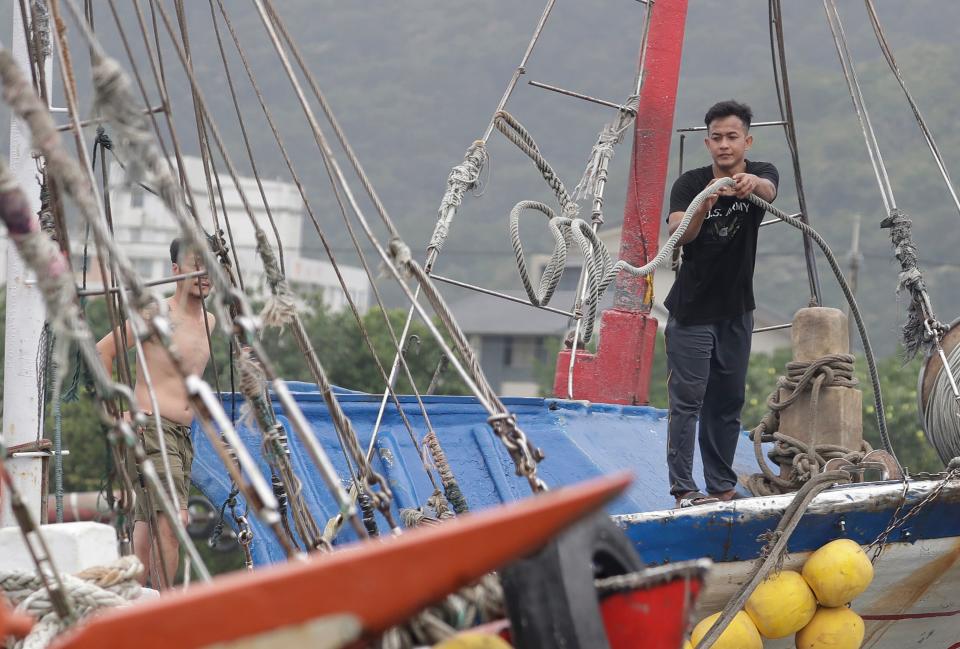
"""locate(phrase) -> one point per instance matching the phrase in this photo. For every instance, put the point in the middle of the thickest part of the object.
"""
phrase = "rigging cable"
(399, 263)
(921, 122)
(922, 329)
(462, 177)
(370, 275)
(114, 93)
(115, 309)
(282, 309)
(56, 284)
(781, 82)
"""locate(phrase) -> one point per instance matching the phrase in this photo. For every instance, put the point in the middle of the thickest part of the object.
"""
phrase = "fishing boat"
(594, 426)
(282, 472)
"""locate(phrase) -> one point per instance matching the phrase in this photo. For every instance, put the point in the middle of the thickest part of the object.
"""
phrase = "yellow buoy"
(832, 628)
(741, 634)
(474, 641)
(781, 605)
(838, 572)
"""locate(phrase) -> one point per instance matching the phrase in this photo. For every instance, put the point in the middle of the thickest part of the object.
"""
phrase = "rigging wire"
(350, 301)
(399, 262)
(921, 122)
(781, 82)
(853, 84)
(78, 183)
(284, 300)
(448, 208)
(115, 98)
(115, 309)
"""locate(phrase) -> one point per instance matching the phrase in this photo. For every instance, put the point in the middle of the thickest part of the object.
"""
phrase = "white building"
(144, 230)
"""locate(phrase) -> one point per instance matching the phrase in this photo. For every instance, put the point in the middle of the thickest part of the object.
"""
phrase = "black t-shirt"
(715, 281)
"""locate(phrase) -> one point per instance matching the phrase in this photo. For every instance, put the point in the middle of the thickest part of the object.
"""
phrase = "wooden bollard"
(818, 332)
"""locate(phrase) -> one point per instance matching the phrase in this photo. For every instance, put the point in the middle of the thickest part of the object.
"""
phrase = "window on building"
(144, 267)
(524, 350)
(540, 350)
(508, 351)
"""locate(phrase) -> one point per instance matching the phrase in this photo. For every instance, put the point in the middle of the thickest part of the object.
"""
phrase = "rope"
(451, 487)
(463, 177)
(465, 609)
(516, 133)
(772, 555)
(914, 334)
(854, 311)
(353, 307)
(398, 259)
(941, 418)
(90, 590)
(805, 459)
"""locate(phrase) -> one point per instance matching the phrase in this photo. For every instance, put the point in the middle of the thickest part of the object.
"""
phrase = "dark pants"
(707, 371)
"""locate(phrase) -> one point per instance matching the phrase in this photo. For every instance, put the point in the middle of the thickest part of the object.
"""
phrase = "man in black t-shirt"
(711, 306)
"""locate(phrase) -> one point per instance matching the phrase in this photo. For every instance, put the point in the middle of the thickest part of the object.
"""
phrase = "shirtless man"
(186, 315)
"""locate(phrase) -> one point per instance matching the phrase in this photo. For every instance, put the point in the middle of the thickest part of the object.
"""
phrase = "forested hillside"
(415, 82)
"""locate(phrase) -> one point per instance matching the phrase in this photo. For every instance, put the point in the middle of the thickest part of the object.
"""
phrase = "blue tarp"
(580, 441)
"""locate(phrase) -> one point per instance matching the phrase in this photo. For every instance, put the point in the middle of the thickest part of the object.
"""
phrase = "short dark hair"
(729, 108)
(177, 243)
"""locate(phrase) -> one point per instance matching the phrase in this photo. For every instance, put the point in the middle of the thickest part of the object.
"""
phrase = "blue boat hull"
(915, 598)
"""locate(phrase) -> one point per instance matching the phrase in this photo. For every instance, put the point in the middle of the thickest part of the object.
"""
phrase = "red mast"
(620, 370)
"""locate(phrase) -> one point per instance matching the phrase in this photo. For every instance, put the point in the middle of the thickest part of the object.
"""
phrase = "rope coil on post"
(805, 459)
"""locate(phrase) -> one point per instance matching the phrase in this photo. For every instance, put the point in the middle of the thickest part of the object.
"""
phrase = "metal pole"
(22, 402)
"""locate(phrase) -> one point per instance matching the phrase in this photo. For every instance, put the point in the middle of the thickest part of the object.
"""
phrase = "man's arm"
(693, 229)
(750, 184)
(107, 347)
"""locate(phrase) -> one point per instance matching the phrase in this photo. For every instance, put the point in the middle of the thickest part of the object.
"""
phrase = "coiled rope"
(92, 589)
(854, 311)
(805, 459)
(601, 270)
(597, 258)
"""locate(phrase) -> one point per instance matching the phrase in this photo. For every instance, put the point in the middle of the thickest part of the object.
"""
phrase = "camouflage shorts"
(180, 457)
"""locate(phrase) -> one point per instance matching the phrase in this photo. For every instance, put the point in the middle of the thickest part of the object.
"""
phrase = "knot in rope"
(610, 135)
(910, 279)
(103, 139)
(463, 177)
(282, 306)
(400, 254)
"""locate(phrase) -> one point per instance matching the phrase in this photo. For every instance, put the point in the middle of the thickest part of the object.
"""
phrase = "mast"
(620, 370)
(22, 401)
